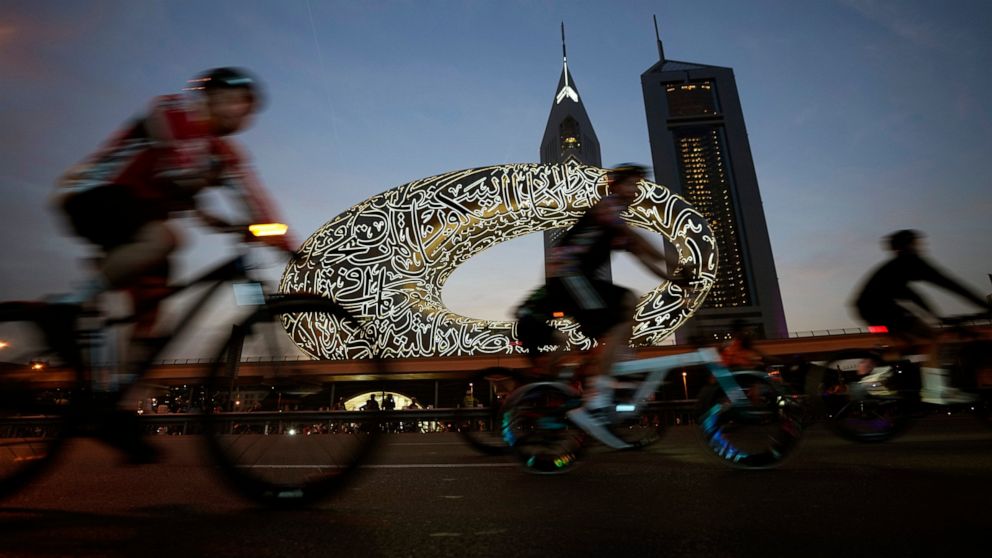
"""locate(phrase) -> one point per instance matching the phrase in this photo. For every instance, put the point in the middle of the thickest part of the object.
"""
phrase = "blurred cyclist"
(121, 197)
(886, 299)
(740, 352)
(604, 311)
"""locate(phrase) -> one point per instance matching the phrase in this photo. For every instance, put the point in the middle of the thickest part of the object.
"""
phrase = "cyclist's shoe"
(122, 430)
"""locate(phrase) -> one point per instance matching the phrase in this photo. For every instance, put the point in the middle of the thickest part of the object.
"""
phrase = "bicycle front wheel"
(34, 395)
(860, 397)
(757, 433)
(535, 425)
(268, 422)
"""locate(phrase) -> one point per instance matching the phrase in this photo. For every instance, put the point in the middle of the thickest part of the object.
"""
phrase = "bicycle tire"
(857, 406)
(536, 427)
(34, 418)
(484, 434)
(271, 456)
(759, 435)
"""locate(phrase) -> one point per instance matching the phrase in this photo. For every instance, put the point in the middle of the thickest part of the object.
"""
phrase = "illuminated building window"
(700, 150)
(568, 132)
(691, 99)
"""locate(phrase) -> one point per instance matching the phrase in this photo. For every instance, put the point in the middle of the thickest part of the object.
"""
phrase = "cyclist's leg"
(144, 252)
(611, 326)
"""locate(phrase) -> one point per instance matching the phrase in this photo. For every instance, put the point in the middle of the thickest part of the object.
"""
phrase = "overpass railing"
(308, 423)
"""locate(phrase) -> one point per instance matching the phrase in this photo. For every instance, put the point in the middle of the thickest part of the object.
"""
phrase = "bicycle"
(262, 455)
(481, 428)
(746, 420)
(866, 395)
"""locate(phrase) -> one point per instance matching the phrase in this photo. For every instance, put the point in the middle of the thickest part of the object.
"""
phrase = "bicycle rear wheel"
(860, 397)
(536, 427)
(484, 432)
(758, 434)
(35, 386)
(267, 422)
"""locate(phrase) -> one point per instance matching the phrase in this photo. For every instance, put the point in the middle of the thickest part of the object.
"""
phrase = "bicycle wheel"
(483, 432)
(860, 399)
(758, 434)
(266, 422)
(34, 397)
(536, 427)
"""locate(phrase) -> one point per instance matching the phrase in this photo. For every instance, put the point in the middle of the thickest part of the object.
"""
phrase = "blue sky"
(864, 116)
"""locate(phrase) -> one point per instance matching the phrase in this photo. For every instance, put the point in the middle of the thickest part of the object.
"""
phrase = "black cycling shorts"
(108, 216)
(597, 305)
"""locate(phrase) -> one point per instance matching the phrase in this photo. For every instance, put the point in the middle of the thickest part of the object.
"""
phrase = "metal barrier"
(307, 423)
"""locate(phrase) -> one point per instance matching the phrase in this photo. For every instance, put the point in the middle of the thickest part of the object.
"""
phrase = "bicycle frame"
(229, 271)
(659, 367)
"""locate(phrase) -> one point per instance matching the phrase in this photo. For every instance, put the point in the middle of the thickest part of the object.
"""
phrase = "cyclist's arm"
(649, 256)
(242, 179)
(934, 276)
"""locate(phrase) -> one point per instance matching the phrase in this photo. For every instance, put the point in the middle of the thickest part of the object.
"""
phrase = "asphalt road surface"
(928, 493)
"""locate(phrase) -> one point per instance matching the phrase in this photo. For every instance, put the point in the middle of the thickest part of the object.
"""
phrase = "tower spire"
(657, 36)
(567, 91)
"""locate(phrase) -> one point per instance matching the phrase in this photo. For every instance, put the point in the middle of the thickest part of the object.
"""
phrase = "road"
(925, 494)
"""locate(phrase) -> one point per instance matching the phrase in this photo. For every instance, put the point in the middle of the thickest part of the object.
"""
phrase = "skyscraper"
(700, 149)
(568, 136)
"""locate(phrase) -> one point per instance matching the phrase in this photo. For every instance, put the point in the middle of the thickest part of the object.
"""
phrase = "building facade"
(700, 150)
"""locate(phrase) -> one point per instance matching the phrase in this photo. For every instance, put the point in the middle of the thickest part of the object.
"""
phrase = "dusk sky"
(864, 116)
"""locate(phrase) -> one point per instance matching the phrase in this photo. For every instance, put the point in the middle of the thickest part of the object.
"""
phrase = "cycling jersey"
(586, 247)
(138, 174)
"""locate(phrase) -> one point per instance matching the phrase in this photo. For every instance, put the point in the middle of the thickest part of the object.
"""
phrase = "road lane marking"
(385, 466)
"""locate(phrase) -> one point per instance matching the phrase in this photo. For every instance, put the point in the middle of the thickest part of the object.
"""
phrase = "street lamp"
(4, 344)
(685, 386)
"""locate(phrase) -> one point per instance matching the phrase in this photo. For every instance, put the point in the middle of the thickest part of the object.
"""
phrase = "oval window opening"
(490, 285)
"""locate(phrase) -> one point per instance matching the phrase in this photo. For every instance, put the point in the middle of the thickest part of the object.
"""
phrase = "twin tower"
(699, 150)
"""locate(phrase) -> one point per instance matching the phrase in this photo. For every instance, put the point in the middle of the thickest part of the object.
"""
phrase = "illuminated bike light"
(878, 329)
(268, 229)
(626, 408)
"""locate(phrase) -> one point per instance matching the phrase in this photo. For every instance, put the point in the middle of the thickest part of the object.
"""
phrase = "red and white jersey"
(153, 153)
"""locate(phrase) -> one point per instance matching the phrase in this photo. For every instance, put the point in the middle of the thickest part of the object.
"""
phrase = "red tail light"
(878, 329)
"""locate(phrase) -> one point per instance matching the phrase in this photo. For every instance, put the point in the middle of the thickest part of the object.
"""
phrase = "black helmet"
(228, 78)
(626, 170)
(900, 240)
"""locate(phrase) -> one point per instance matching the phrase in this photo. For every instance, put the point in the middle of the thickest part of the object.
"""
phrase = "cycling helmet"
(625, 170)
(228, 78)
(900, 240)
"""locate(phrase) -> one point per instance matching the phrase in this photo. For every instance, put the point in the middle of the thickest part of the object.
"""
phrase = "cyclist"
(886, 299)
(121, 197)
(604, 311)
(740, 352)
